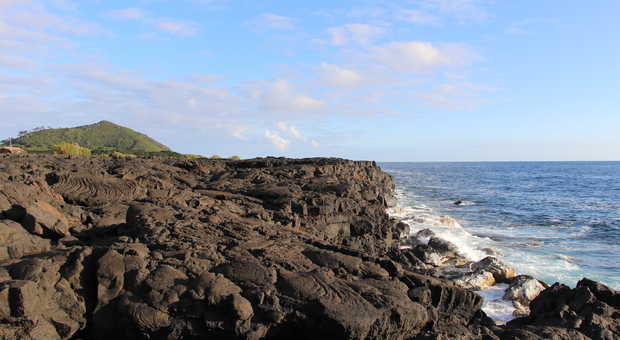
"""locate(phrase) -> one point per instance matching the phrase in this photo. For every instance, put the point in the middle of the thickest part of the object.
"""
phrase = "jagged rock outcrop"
(94, 248)
(589, 311)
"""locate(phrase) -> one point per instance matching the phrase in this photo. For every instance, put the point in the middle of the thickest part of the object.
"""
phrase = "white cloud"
(180, 28)
(425, 12)
(131, 13)
(6, 3)
(165, 25)
(206, 78)
(293, 133)
(339, 76)
(65, 5)
(272, 21)
(238, 132)
(131, 95)
(280, 96)
(32, 20)
(290, 130)
(212, 4)
(29, 27)
(354, 33)
(278, 141)
(417, 17)
(463, 10)
(529, 26)
(17, 62)
(360, 86)
(454, 96)
(418, 56)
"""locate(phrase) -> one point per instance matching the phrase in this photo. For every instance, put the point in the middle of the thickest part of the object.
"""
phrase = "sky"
(409, 80)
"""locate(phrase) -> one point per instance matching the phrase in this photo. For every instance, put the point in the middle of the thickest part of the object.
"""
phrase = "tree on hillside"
(34, 129)
(40, 128)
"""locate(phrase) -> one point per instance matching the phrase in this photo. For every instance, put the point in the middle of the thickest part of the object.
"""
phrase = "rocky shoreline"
(429, 254)
(272, 248)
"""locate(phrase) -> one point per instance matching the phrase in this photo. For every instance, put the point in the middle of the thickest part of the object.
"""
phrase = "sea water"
(556, 221)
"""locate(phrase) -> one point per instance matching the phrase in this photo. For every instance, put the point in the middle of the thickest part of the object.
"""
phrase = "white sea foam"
(555, 236)
(448, 229)
(494, 305)
(420, 217)
(583, 231)
(510, 245)
(466, 203)
(568, 258)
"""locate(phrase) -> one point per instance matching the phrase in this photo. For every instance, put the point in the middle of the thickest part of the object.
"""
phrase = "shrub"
(71, 149)
(117, 154)
(215, 157)
(190, 156)
(235, 158)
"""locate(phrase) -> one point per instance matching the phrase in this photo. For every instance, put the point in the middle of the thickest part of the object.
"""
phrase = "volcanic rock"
(589, 311)
(269, 248)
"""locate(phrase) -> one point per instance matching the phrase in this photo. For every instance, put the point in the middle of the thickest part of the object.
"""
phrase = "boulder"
(587, 310)
(39, 300)
(403, 230)
(441, 245)
(215, 288)
(475, 275)
(502, 273)
(438, 253)
(522, 290)
(477, 280)
(15, 241)
(422, 236)
(42, 218)
(110, 277)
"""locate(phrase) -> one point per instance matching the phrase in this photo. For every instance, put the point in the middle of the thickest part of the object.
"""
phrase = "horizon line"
(508, 161)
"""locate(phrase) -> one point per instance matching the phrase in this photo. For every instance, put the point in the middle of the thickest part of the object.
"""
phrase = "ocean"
(555, 221)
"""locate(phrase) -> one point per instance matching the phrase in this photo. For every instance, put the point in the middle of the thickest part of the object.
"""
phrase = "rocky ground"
(113, 248)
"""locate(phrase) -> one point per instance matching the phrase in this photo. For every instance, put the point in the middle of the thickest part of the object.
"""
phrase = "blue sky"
(419, 80)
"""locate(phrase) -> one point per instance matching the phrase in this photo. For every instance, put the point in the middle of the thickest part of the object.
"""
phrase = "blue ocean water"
(556, 221)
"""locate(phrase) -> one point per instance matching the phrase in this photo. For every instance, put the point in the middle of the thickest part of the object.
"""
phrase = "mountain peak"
(106, 122)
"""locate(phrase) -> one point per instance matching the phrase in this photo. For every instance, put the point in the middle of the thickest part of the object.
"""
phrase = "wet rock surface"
(94, 248)
(523, 289)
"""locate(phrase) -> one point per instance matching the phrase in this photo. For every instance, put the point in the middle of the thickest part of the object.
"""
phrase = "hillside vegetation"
(102, 137)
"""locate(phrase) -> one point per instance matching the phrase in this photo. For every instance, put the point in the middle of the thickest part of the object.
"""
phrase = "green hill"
(100, 137)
